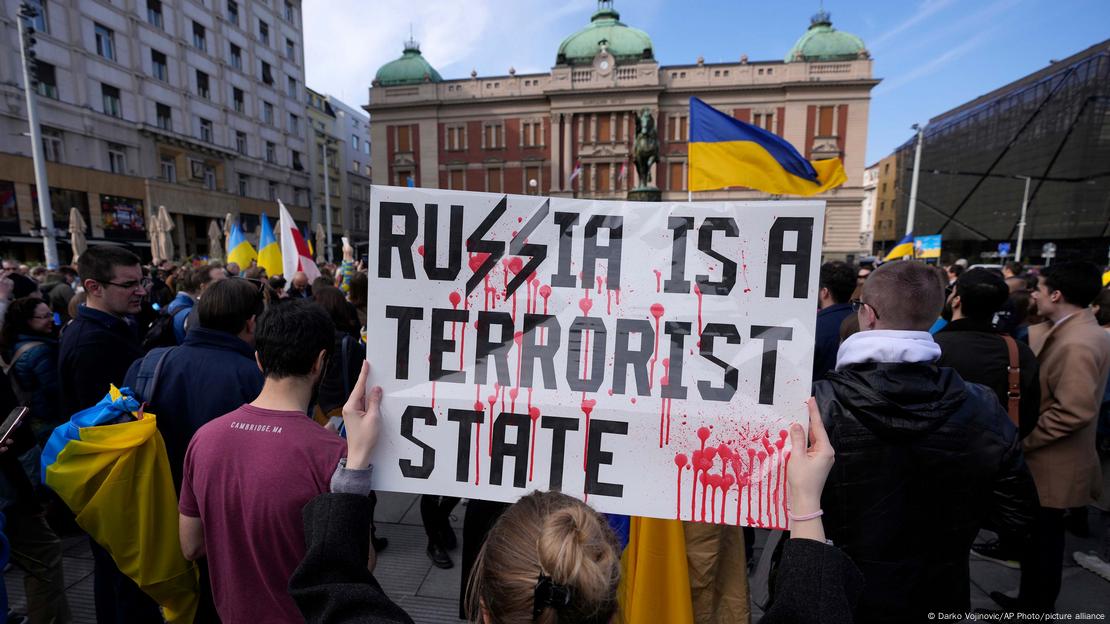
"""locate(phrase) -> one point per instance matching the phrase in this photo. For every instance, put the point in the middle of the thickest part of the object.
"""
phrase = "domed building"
(569, 131)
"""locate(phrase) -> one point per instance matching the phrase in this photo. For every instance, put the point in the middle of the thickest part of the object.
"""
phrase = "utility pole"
(30, 81)
(1021, 223)
(327, 200)
(913, 182)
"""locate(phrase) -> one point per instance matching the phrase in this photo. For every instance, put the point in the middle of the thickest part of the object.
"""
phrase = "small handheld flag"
(295, 255)
(269, 252)
(239, 250)
(727, 152)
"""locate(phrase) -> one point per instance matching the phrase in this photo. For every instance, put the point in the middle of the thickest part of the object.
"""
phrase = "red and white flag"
(574, 174)
(295, 255)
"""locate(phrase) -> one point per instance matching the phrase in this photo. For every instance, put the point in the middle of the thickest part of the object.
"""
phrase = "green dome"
(822, 42)
(411, 68)
(625, 43)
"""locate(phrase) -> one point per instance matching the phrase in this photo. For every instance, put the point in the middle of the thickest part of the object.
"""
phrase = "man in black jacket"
(923, 458)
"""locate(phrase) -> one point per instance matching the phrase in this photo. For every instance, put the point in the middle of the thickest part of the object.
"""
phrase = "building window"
(200, 42)
(366, 147)
(604, 128)
(105, 41)
(456, 179)
(404, 138)
(210, 177)
(202, 85)
(764, 120)
(268, 113)
(110, 101)
(263, 32)
(244, 185)
(290, 14)
(402, 177)
(271, 152)
(236, 57)
(493, 136)
(356, 166)
(679, 129)
(675, 178)
(456, 138)
(295, 157)
(531, 134)
(163, 116)
(39, 22)
(267, 74)
(46, 80)
(294, 124)
(154, 13)
(272, 190)
(354, 142)
(233, 12)
(205, 130)
(290, 49)
(825, 121)
(158, 66)
(241, 142)
(237, 99)
(117, 158)
(52, 146)
(168, 169)
(291, 88)
(493, 180)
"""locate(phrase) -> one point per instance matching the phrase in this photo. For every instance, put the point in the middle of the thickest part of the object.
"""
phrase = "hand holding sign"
(362, 419)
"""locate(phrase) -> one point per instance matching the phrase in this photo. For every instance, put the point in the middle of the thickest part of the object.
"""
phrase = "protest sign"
(927, 247)
(646, 357)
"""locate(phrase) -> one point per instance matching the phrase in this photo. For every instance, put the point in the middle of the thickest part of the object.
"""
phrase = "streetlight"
(913, 183)
(30, 80)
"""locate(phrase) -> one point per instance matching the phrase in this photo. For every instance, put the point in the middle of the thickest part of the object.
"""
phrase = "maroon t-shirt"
(247, 475)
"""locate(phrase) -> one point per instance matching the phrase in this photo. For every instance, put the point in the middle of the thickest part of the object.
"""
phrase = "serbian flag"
(726, 152)
(269, 251)
(239, 250)
(295, 255)
(902, 249)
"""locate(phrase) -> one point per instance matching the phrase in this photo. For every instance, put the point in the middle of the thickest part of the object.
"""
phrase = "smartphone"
(14, 419)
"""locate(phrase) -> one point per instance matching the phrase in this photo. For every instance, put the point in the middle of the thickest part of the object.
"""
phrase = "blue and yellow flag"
(108, 463)
(725, 152)
(239, 250)
(269, 252)
(902, 249)
(655, 580)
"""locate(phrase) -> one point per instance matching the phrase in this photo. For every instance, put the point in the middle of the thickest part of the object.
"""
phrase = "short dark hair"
(840, 278)
(1015, 267)
(359, 289)
(289, 337)
(189, 279)
(956, 269)
(1078, 282)
(100, 261)
(341, 311)
(227, 305)
(982, 293)
(905, 294)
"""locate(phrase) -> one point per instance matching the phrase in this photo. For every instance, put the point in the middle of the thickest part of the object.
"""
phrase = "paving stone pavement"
(430, 595)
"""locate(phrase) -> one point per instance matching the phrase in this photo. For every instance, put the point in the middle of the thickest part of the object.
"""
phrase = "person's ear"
(258, 361)
(866, 317)
(321, 359)
(822, 293)
(250, 325)
(955, 302)
(92, 286)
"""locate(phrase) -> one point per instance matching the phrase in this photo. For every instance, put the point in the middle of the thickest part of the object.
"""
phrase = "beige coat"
(1075, 362)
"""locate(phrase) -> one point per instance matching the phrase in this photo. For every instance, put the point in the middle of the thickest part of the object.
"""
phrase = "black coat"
(96, 351)
(816, 584)
(979, 355)
(922, 461)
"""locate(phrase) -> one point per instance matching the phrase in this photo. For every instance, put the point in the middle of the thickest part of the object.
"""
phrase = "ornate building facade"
(569, 132)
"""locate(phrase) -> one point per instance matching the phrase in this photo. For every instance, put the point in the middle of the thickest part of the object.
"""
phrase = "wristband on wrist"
(809, 516)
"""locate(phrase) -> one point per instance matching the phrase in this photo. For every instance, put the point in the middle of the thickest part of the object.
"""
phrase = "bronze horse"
(645, 152)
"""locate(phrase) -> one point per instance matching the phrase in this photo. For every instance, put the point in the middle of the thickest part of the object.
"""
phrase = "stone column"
(556, 153)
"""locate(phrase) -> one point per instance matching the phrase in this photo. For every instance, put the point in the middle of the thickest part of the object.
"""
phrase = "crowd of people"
(955, 400)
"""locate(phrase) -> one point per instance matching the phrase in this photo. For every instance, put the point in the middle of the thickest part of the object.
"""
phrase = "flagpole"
(913, 181)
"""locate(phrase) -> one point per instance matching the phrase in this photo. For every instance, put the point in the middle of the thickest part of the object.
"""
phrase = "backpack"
(150, 368)
(22, 397)
(161, 332)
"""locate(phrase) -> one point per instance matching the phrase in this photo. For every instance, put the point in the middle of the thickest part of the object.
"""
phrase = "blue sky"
(932, 55)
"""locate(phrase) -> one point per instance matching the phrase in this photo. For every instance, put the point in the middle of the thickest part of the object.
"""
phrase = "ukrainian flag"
(269, 252)
(655, 579)
(902, 249)
(727, 152)
(239, 250)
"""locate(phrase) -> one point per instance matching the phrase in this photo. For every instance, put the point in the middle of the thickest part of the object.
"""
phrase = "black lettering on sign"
(592, 251)
(770, 337)
(677, 282)
(623, 356)
(708, 391)
(466, 419)
(596, 369)
(431, 242)
(405, 315)
(799, 258)
(402, 242)
(518, 449)
(438, 345)
(498, 350)
(563, 278)
(678, 332)
(728, 266)
(531, 352)
(520, 247)
(559, 427)
(494, 248)
(428, 462)
(595, 457)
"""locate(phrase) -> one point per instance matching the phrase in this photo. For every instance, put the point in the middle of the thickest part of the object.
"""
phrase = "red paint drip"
(478, 407)
(704, 480)
(462, 339)
(534, 414)
(762, 457)
(600, 282)
(665, 381)
(696, 465)
(680, 460)
(420, 250)
(658, 280)
(697, 292)
(587, 409)
(657, 312)
(433, 395)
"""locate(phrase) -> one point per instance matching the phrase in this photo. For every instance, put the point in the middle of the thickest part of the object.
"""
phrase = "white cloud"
(925, 10)
(346, 41)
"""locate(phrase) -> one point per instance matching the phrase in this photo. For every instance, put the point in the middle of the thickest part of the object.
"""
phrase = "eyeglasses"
(144, 283)
(859, 303)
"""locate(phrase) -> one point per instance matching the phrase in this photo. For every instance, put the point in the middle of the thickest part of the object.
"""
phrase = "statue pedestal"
(645, 194)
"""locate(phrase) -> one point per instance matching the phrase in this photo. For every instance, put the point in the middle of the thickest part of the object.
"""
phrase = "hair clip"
(549, 594)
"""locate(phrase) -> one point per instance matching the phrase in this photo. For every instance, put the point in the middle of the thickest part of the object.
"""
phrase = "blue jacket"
(827, 338)
(96, 350)
(180, 308)
(209, 375)
(36, 373)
